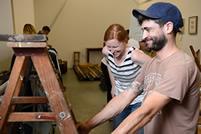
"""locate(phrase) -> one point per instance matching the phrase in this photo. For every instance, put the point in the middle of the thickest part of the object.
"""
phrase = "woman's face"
(115, 47)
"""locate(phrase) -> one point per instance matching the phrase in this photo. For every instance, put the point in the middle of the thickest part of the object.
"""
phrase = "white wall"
(6, 27)
(81, 24)
(13, 15)
(23, 13)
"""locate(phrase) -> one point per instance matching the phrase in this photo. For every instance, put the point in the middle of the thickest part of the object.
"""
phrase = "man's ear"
(168, 27)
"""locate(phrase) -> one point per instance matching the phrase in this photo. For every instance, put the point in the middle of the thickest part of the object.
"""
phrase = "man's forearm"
(133, 122)
(151, 105)
(115, 106)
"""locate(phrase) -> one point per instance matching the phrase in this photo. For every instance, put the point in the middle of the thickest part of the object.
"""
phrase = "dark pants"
(105, 81)
(120, 117)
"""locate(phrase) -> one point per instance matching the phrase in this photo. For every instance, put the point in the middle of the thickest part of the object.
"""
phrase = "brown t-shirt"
(176, 77)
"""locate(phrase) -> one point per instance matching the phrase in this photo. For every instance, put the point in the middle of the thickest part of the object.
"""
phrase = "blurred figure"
(29, 29)
(52, 52)
(45, 30)
(143, 46)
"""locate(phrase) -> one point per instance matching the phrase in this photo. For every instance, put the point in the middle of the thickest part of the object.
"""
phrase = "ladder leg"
(16, 74)
(54, 93)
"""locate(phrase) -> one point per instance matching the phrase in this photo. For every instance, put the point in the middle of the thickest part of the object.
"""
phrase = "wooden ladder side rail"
(14, 82)
(20, 79)
(196, 56)
(20, 82)
(56, 99)
(60, 110)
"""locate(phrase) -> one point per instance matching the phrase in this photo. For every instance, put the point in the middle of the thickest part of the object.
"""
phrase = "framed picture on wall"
(192, 24)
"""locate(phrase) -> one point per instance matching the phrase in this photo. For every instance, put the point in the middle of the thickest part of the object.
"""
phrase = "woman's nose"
(111, 50)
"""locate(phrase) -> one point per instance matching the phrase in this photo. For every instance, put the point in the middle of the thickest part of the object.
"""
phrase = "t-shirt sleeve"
(175, 81)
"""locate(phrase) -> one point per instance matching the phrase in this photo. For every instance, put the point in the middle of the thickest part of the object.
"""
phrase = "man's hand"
(82, 128)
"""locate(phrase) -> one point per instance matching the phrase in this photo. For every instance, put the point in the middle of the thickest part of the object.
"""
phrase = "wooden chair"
(196, 56)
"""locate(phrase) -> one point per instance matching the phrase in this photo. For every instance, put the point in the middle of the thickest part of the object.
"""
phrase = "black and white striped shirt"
(124, 73)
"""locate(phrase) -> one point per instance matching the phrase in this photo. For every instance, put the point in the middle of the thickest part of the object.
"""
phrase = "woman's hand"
(105, 50)
(139, 56)
(113, 91)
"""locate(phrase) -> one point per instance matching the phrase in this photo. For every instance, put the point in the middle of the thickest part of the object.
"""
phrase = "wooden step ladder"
(61, 112)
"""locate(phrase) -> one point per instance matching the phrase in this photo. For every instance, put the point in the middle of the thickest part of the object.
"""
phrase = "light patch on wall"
(135, 29)
(6, 27)
(141, 1)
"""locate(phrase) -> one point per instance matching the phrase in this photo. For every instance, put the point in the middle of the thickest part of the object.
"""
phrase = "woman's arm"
(112, 82)
(139, 56)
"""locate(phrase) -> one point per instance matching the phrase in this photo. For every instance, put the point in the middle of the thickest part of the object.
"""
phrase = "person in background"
(45, 30)
(171, 81)
(53, 53)
(29, 29)
(105, 79)
(55, 60)
(146, 49)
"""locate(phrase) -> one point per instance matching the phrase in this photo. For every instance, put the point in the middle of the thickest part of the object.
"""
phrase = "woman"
(124, 64)
(29, 29)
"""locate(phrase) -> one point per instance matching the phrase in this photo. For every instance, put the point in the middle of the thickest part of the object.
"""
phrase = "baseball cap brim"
(137, 12)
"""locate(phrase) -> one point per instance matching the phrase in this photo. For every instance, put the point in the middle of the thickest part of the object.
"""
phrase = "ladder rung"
(31, 116)
(28, 100)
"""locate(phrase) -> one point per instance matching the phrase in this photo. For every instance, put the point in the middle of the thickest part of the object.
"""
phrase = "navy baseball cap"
(162, 11)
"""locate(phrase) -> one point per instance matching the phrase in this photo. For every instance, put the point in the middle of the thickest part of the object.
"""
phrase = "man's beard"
(158, 43)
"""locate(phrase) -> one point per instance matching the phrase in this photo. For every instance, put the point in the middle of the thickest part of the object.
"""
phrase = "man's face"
(45, 32)
(153, 35)
(115, 47)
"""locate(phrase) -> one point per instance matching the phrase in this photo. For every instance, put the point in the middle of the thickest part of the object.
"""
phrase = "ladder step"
(29, 100)
(31, 116)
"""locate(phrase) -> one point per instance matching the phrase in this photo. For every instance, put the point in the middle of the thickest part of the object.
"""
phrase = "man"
(45, 30)
(170, 79)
